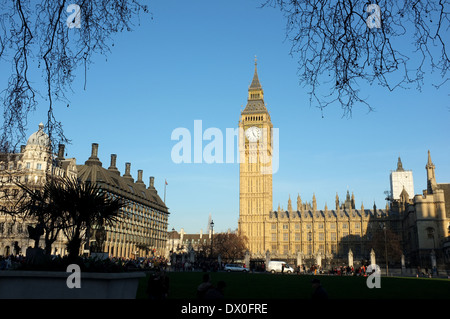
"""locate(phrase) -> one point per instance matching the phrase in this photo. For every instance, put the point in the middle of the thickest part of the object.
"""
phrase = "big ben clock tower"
(255, 170)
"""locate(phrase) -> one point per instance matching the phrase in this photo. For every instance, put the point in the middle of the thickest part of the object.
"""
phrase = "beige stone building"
(32, 166)
(426, 220)
(255, 175)
(421, 221)
(182, 242)
(142, 227)
(141, 230)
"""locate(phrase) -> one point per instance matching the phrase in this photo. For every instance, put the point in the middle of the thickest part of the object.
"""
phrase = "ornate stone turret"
(353, 201)
(314, 203)
(431, 177)
(255, 103)
(289, 204)
(399, 165)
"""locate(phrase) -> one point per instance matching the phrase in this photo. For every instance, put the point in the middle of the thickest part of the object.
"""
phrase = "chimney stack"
(113, 161)
(93, 160)
(139, 179)
(61, 151)
(127, 174)
(152, 182)
(94, 153)
(113, 167)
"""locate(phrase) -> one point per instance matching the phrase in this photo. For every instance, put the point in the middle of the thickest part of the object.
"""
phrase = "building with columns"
(141, 230)
(33, 165)
(142, 227)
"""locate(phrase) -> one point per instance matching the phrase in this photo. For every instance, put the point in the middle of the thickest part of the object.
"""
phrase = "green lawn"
(183, 285)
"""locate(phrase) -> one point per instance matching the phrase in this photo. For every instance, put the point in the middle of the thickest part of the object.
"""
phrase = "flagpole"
(165, 184)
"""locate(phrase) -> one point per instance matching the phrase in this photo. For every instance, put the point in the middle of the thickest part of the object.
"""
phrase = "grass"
(183, 285)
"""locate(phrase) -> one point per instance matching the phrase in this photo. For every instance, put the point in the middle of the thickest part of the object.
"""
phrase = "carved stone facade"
(32, 166)
(142, 227)
(421, 221)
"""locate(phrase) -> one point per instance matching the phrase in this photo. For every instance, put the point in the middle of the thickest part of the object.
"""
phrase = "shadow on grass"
(183, 285)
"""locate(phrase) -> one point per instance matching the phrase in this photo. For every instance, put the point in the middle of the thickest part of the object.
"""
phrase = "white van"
(277, 266)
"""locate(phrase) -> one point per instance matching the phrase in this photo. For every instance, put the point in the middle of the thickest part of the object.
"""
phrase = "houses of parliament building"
(421, 222)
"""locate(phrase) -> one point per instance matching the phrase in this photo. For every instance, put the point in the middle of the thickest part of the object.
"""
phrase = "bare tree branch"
(32, 35)
(336, 49)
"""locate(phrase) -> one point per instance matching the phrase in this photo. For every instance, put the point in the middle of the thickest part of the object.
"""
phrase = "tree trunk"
(73, 247)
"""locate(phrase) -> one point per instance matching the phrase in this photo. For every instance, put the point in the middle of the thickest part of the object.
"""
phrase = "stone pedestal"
(267, 259)
(319, 259)
(350, 258)
(372, 257)
(299, 259)
(247, 259)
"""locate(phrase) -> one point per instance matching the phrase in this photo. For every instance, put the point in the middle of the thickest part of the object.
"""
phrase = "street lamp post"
(383, 226)
(173, 238)
(212, 236)
(310, 248)
(433, 252)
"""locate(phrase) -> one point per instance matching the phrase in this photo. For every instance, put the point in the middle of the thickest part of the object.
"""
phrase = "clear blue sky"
(195, 61)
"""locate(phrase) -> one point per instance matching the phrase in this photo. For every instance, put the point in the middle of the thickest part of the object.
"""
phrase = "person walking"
(318, 291)
(158, 286)
(216, 292)
(204, 286)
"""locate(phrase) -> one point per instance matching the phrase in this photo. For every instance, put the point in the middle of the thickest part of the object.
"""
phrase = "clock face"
(253, 133)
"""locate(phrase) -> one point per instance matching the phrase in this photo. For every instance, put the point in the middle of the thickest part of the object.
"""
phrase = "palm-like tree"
(72, 206)
(42, 205)
(85, 205)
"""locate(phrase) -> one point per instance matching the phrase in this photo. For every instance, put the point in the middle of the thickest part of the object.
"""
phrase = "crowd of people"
(147, 263)
(336, 271)
(11, 261)
(204, 265)
(150, 263)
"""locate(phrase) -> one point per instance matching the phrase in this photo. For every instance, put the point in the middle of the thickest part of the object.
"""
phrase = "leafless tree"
(42, 36)
(230, 246)
(339, 45)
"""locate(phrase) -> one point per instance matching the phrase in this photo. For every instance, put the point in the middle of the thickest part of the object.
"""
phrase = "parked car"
(235, 267)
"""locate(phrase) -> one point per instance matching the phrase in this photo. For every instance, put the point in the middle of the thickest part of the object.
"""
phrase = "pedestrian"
(216, 292)
(158, 286)
(204, 286)
(318, 291)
